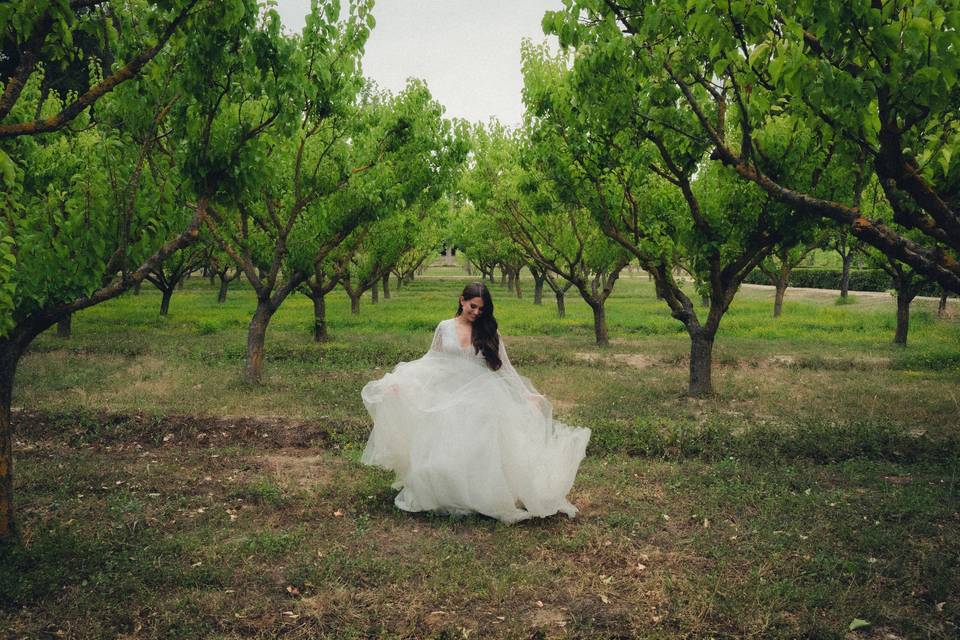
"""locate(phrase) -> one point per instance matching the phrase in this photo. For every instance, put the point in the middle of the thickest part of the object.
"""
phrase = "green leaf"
(945, 156)
(720, 66)
(776, 67)
(858, 624)
(759, 53)
(7, 169)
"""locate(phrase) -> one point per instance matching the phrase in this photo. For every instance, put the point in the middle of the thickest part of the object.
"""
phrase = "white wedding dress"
(465, 439)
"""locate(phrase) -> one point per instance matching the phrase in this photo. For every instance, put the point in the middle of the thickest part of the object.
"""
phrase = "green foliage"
(793, 99)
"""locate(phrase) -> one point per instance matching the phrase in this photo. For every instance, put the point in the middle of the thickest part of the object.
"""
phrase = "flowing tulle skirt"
(463, 439)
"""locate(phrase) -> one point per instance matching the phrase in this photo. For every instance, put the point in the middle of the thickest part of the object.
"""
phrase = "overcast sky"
(468, 51)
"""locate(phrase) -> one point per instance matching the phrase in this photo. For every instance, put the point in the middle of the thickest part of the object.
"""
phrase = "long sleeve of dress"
(505, 365)
(437, 344)
(534, 396)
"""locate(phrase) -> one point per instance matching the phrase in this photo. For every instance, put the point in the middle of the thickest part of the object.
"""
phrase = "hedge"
(819, 278)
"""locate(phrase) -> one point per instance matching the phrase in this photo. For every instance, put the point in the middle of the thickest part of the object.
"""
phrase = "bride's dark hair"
(485, 339)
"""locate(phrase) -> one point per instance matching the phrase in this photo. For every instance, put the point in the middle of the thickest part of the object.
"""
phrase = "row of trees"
(713, 138)
(273, 148)
(692, 136)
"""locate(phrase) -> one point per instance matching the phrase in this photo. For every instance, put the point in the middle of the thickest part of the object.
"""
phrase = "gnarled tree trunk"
(600, 324)
(538, 279)
(845, 277)
(9, 356)
(222, 294)
(386, 286)
(781, 290)
(165, 301)
(256, 336)
(904, 298)
(319, 317)
(701, 363)
(65, 326)
(375, 293)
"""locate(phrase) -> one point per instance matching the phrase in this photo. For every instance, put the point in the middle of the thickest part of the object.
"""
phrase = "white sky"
(467, 51)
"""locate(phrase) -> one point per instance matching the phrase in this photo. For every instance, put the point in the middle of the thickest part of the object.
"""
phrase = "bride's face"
(472, 308)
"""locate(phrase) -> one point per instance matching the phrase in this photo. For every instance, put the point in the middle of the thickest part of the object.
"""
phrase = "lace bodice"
(445, 340)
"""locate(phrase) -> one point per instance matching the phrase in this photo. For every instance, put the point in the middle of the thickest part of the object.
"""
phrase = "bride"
(465, 433)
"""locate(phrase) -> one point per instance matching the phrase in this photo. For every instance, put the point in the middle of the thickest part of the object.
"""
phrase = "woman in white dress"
(465, 433)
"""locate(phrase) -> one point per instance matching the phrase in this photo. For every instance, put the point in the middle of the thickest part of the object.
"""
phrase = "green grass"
(159, 497)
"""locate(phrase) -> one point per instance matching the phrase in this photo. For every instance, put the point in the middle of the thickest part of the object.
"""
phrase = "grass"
(158, 497)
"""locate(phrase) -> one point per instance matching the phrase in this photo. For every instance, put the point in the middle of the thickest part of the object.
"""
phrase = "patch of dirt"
(636, 360)
(549, 618)
(289, 468)
(102, 429)
(831, 363)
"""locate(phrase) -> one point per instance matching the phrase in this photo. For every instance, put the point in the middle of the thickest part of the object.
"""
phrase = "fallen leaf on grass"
(858, 624)
(339, 513)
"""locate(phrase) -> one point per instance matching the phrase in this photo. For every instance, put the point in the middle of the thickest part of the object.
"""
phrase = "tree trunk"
(942, 306)
(375, 293)
(538, 281)
(781, 287)
(516, 283)
(561, 304)
(136, 289)
(181, 282)
(256, 335)
(903, 316)
(399, 281)
(211, 275)
(511, 279)
(319, 317)
(701, 364)
(845, 277)
(355, 303)
(222, 296)
(386, 286)
(165, 301)
(600, 324)
(9, 356)
(503, 276)
(65, 326)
